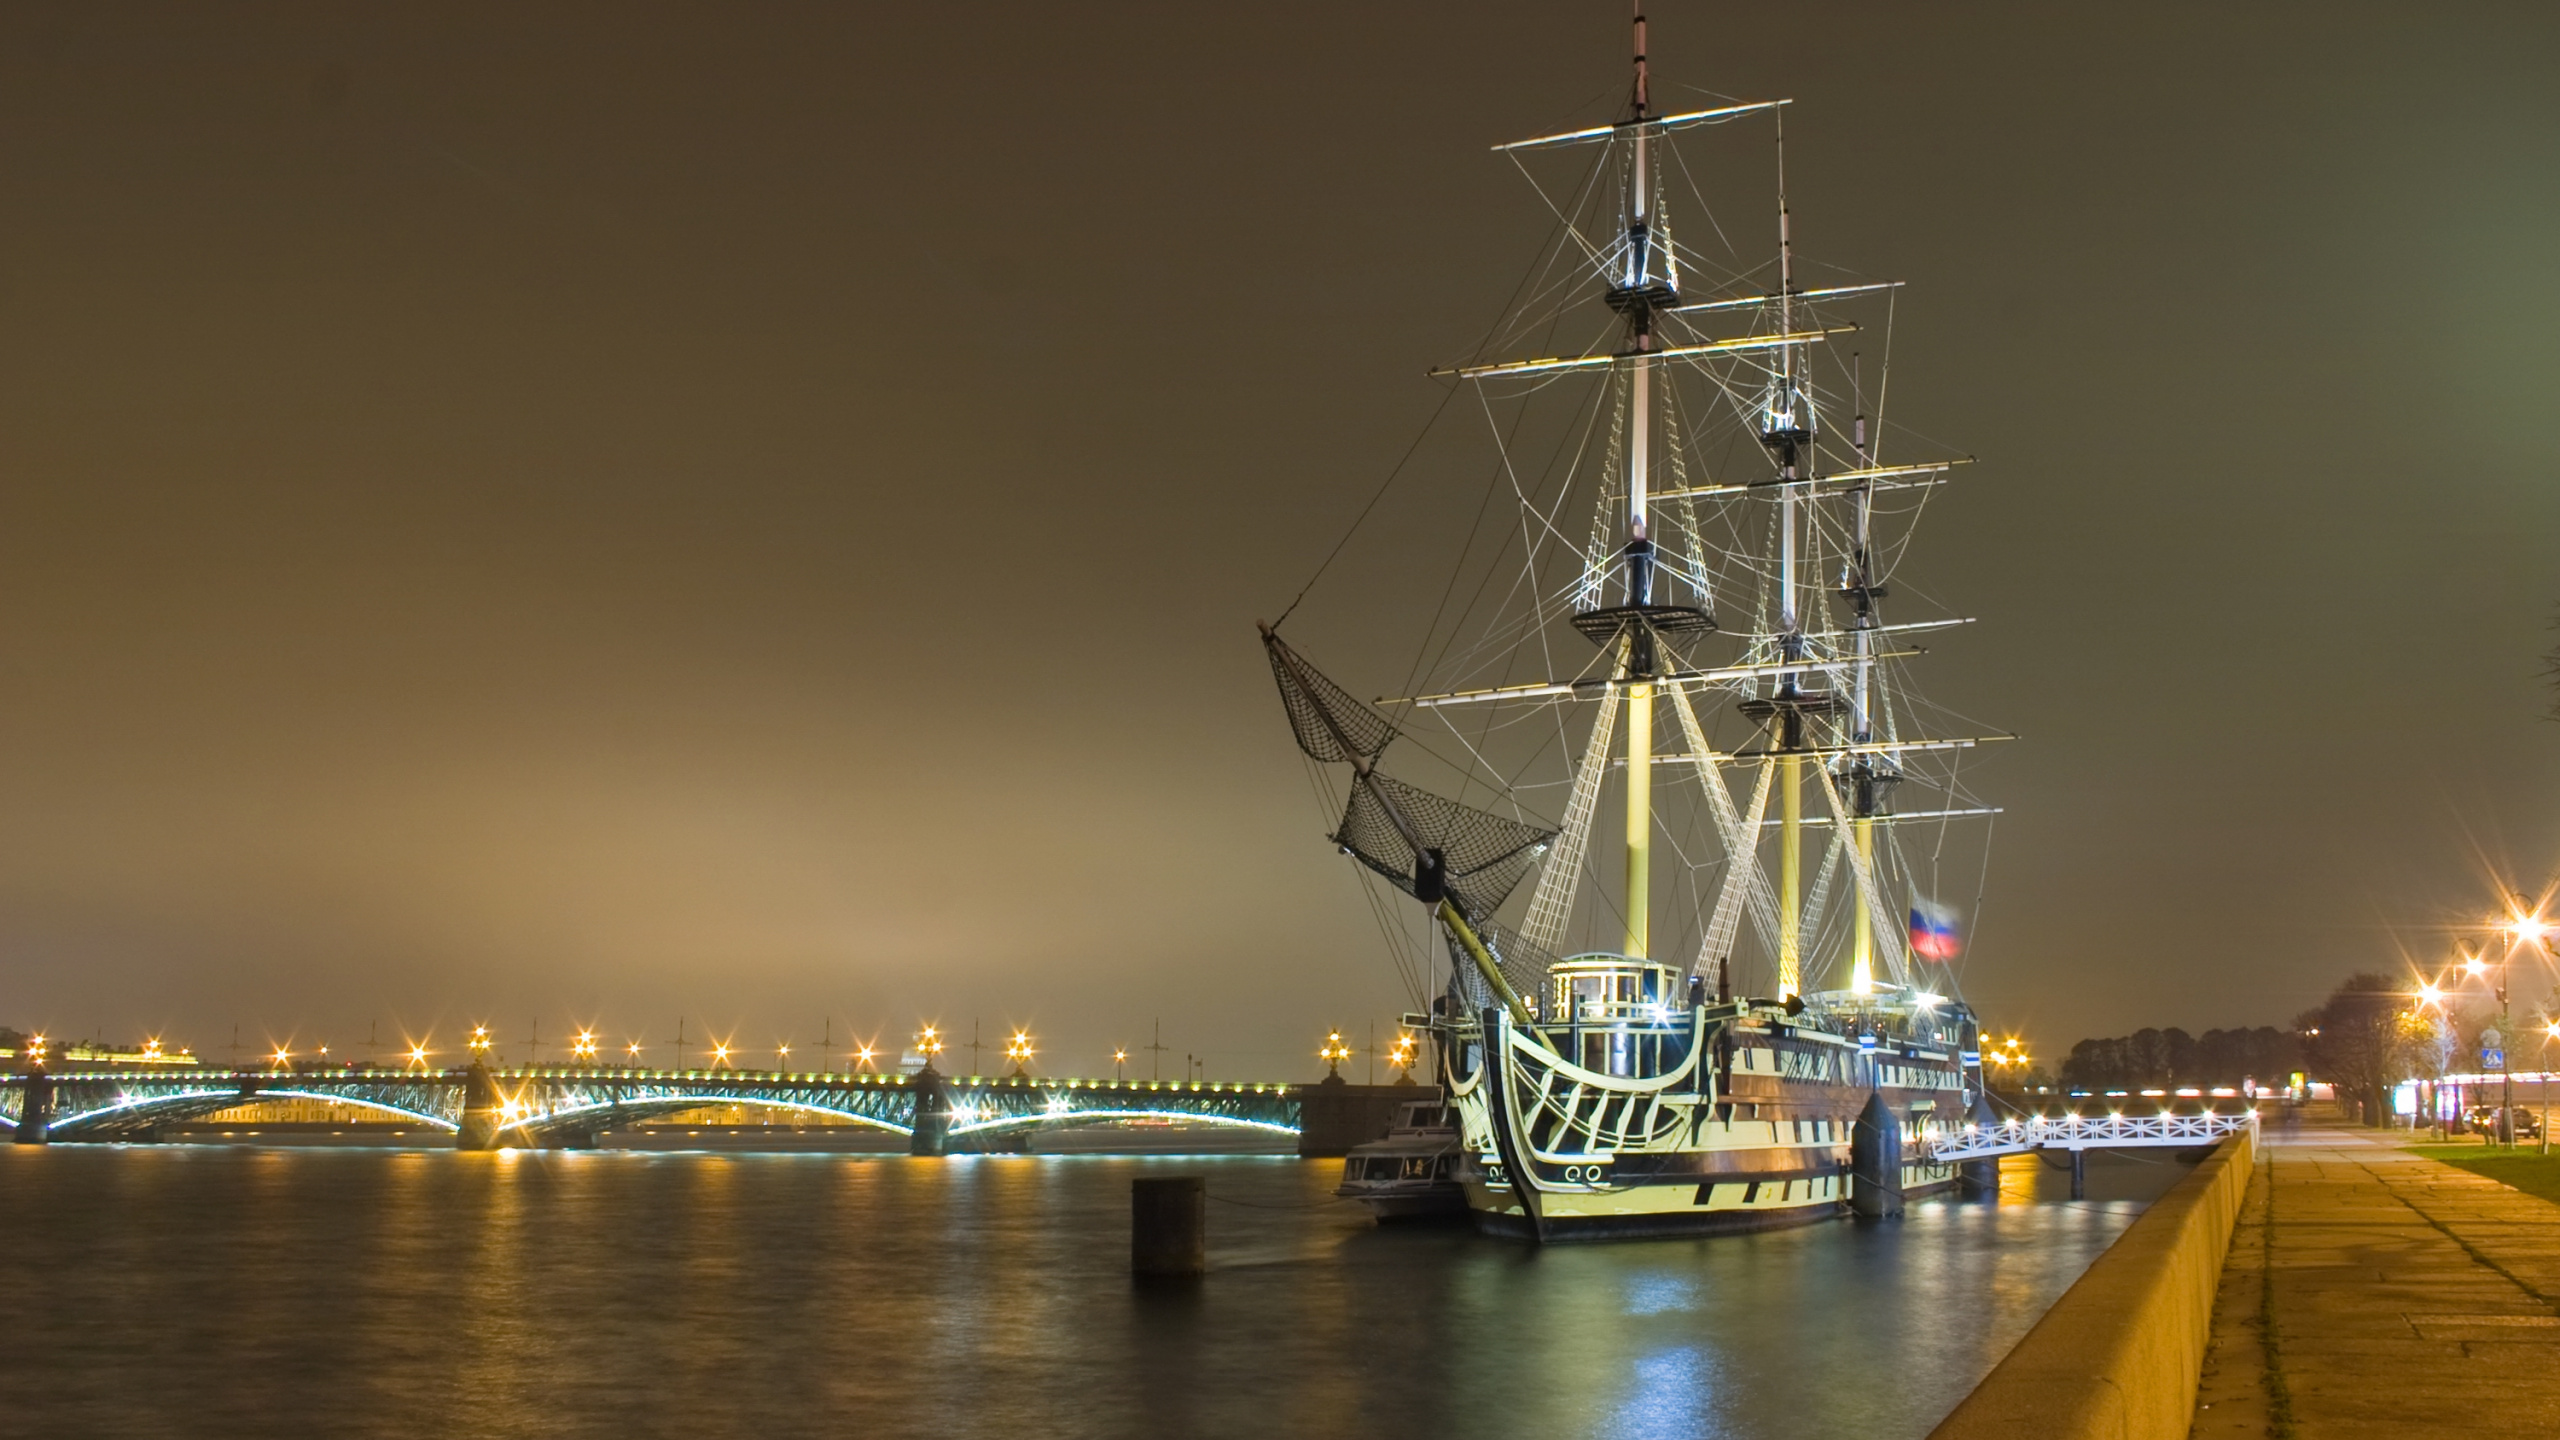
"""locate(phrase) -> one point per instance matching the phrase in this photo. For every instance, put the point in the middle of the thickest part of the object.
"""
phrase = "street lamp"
(1018, 1050)
(1119, 1059)
(1334, 1053)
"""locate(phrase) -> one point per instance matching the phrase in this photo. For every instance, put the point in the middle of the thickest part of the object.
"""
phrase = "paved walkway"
(2374, 1293)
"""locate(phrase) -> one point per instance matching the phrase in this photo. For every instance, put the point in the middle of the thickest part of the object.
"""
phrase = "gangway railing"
(2086, 1132)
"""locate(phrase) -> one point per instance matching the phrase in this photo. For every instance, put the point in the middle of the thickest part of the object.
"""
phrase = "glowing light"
(479, 1039)
(1057, 1104)
(2474, 965)
(585, 1046)
(151, 1048)
(2430, 993)
(782, 1050)
(2529, 928)
(418, 1055)
(1927, 1001)
(632, 1049)
(720, 1053)
(1334, 1051)
(282, 1055)
(929, 1043)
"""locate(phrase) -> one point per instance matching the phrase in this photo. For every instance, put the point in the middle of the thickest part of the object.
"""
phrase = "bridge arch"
(135, 1113)
(1063, 1118)
(569, 1119)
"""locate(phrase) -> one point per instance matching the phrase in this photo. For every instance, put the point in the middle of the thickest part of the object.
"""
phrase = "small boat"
(1414, 1170)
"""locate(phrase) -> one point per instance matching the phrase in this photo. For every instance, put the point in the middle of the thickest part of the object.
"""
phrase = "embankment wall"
(2117, 1357)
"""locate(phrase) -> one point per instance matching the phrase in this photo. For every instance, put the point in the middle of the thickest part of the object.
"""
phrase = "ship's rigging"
(1690, 505)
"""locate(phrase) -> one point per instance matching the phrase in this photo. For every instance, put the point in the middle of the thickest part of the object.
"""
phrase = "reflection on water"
(209, 1291)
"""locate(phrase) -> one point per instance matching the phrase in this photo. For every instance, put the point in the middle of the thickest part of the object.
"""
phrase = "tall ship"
(1675, 820)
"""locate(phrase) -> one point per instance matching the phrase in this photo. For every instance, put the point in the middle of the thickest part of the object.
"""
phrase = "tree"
(2353, 1040)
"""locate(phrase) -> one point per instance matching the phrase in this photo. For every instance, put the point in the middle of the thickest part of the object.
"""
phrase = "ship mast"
(1639, 551)
(1787, 429)
(1866, 781)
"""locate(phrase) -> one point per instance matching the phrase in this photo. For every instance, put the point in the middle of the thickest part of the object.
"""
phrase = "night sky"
(757, 513)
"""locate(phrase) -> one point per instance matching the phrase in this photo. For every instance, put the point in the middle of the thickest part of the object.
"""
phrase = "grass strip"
(2528, 1170)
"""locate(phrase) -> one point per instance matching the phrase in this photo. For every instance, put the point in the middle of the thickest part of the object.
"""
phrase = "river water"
(213, 1290)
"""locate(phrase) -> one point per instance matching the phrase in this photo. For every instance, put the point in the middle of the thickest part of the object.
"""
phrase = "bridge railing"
(2086, 1132)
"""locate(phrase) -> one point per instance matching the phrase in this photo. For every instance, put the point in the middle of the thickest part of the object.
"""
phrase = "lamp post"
(1333, 1054)
(2495, 1042)
(2431, 997)
(2526, 925)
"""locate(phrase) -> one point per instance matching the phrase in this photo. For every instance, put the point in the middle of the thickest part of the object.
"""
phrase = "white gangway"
(2087, 1132)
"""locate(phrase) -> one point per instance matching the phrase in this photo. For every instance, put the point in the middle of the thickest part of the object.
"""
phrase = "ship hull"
(1747, 1123)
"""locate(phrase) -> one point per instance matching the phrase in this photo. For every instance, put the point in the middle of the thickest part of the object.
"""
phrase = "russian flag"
(1933, 931)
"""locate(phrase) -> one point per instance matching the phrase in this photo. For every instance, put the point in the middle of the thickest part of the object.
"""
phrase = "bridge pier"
(1335, 1115)
(931, 1134)
(481, 1115)
(35, 1114)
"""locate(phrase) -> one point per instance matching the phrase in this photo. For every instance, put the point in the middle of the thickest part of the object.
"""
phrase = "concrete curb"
(2117, 1357)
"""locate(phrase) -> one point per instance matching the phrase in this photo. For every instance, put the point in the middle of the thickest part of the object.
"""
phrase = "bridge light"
(720, 1053)
(1334, 1052)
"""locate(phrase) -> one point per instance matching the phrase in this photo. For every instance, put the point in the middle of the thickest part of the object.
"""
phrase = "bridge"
(557, 1107)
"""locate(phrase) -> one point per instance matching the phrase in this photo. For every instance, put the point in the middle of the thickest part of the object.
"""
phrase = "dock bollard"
(1168, 1227)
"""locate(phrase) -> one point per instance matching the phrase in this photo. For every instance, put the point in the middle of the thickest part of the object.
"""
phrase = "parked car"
(2483, 1120)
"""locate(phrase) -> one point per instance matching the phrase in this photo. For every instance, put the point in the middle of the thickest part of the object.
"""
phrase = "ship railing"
(2085, 1132)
